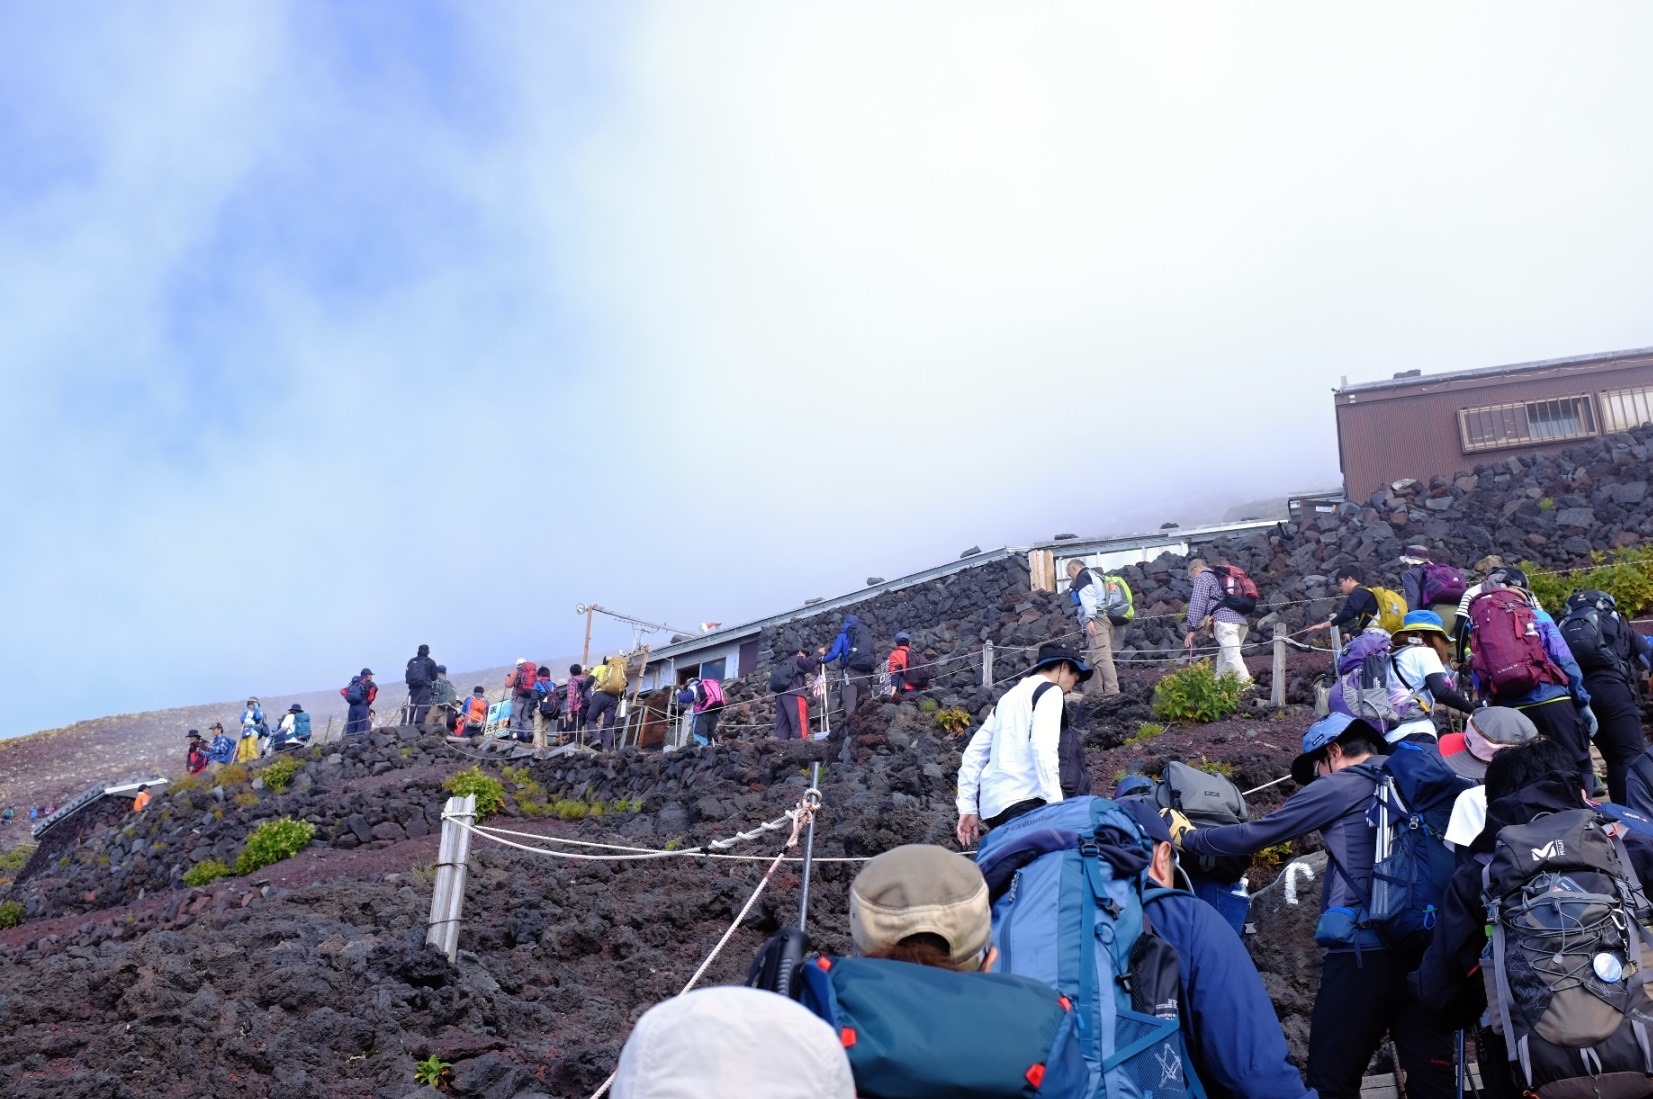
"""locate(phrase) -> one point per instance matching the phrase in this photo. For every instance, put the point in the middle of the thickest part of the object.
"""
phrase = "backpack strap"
(1500, 968)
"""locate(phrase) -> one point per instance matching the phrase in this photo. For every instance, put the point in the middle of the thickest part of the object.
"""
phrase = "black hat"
(193, 734)
(1060, 654)
(295, 708)
(477, 690)
(1509, 576)
(441, 669)
(367, 671)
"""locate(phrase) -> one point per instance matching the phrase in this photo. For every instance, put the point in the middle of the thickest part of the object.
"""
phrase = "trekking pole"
(809, 853)
(1461, 1069)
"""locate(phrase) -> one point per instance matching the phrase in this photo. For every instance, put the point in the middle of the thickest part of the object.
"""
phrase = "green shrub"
(246, 799)
(1626, 575)
(953, 721)
(1212, 767)
(928, 705)
(12, 861)
(1546, 504)
(273, 841)
(1148, 730)
(11, 914)
(183, 784)
(1196, 693)
(432, 1071)
(490, 795)
(1273, 856)
(279, 775)
(203, 873)
(231, 774)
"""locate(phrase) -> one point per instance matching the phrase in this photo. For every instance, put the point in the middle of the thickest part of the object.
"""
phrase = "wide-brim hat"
(295, 708)
(1489, 731)
(1422, 622)
(1050, 655)
(921, 889)
(1328, 730)
(193, 734)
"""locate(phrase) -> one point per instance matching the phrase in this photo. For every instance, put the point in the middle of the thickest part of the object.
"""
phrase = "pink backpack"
(711, 695)
(1507, 651)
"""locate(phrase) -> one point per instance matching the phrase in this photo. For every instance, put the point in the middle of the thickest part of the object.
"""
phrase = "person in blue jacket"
(1228, 1024)
(853, 648)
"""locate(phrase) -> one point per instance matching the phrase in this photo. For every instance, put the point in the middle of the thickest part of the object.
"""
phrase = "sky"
(327, 330)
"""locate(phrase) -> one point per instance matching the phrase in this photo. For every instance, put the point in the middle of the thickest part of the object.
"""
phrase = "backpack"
(301, 726)
(1072, 771)
(782, 677)
(613, 679)
(356, 693)
(709, 693)
(1508, 654)
(1391, 609)
(418, 673)
(1067, 883)
(1440, 584)
(1239, 591)
(918, 674)
(863, 655)
(1363, 687)
(476, 712)
(1117, 603)
(900, 1025)
(1566, 968)
(1208, 801)
(526, 676)
(1581, 629)
(550, 701)
(1411, 809)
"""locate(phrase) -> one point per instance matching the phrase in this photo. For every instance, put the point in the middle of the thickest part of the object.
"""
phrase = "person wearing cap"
(1228, 1024)
(1088, 589)
(897, 666)
(473, 720)
(421, 672)
(1363, 991)
(222, 749)
(195, 753)
(1418, 659)
(923, 904)
(1012, 765)
(141, 802)
(1490, 730)
(1228, 626)
(358, 699)
(443, 698)
(732, 1043)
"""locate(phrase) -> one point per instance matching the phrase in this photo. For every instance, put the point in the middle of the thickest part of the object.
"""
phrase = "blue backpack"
(1067, 882)
(301, 726)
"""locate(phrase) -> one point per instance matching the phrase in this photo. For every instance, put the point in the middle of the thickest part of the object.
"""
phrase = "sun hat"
(193, 734)
(1490, 730)
(1422, 622)
(921, 889)
(1133, 784)
(1415, 555)
(295, 708)
(1509, 576)
(1050, 654)
(1328, 730)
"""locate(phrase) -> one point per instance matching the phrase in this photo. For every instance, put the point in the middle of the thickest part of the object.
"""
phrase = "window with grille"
(1524, 423)
(1623, 409)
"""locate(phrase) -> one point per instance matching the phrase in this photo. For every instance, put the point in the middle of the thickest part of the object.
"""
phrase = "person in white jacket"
(1013, 763)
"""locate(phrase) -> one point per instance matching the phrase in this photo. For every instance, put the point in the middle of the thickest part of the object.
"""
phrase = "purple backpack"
(1441, 584)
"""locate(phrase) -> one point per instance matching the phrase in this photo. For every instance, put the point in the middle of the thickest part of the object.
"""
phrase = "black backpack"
(1074, 773)
(863, 657)
(782, 677)
(1582, 631)
(418, 673)
(918, 673)
(551, 703)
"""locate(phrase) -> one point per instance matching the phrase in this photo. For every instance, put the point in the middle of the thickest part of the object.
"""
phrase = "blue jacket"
(844, 648)
(1228, 1023)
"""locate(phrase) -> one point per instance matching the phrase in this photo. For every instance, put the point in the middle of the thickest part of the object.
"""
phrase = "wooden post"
(1277, 695)
(987, 663)
(449, 896)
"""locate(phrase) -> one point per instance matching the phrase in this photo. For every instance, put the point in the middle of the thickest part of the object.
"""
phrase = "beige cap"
(921, 889)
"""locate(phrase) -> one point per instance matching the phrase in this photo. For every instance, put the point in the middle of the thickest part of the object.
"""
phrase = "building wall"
(1386, 435)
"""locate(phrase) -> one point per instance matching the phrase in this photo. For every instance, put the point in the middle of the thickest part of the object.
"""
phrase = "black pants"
(791, 716)
(600, 716)
(1619, 728)
(418, 703)
(999, 819)
(1358, 1002)
(1559, 721)
(705, 724)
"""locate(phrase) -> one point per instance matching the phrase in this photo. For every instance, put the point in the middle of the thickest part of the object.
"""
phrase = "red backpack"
(1239, 591)
(1507, 652)
(527, 676)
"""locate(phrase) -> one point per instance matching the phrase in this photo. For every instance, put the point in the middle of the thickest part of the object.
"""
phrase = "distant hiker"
(195, 753)
(547, 706)
(1363, 990)
(1360, 606)
(1420, 679)
(253, 732)
(853, 648)
(607, 688)
(1460, 627)
(788, 681)
(524, 701)
(1222, 596)
(295, 729)
(1104, 606)
(1428, 586)
(7, 814)
(474, 719)
(141, 802)
(1490, 730)
(1014, 762)
(358, 698)
(906, 676)
(1614, 659)
(1228, 1024)
(705, 699)
(732, 1043)
(443, 700)
(421, 673)
(575, 692)
(222, 749)
(1519, 659)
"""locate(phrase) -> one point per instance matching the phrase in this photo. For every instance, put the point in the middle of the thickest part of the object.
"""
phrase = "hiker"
(1490, 730)
(547, 706)
(1103, 604)
(294, 731)
(575, 692)
(602, 712)
(358, 699)
(195, 753)
(141, 802)
(1363, 990)
(523, 699)
(421, 673)
(1013, 763)
(474, 718)
(923, 904)
(1207, 800)
(732, 1043)
(1613, 658)
(1532, 790)
(789, 682)
(7, 814)
(253, 730)
(1519, 659)
(222, 749)
(706, 700)
(443, 700)
(1360, 606)
(905, 677)
(1421, 650)
(1209, 604)
(854, 649)
(1227, 1020)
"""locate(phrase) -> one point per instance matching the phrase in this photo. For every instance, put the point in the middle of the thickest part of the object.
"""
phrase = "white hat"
(732, 1043)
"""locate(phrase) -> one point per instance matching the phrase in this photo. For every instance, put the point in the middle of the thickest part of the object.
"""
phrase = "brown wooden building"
(1419, 426)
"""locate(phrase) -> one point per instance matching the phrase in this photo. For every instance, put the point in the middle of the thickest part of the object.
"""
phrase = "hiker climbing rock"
(1221, 598)
(1104, 606)
(789, 681)
(853, 649)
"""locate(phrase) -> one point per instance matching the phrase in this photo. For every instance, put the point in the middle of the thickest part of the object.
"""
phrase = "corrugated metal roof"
(1495, 371)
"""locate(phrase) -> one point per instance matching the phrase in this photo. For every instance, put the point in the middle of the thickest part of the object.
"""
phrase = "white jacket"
(1013, 756)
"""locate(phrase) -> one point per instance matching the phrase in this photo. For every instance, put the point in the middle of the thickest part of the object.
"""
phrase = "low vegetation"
(1145, 732)
(1197, 694)
(1626, 575)
(432, 1071)
(273, 841)
(490, 795)
(953, 721)
(231, 774)
(279, 775)
(11, 914)
(204, 873)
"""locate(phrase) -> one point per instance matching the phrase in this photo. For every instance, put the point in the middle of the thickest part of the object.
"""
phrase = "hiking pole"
(809, 852)
(1461, 1069)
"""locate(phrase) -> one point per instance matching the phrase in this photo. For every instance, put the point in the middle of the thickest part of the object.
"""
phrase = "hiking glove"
(1179, 825)
(1588, 716)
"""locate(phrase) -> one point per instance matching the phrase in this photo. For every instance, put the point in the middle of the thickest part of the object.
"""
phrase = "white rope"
(488, 832)
(1265, 786)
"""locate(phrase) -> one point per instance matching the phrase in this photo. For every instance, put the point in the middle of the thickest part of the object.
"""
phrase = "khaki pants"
(1230, 636)
(1099, 651)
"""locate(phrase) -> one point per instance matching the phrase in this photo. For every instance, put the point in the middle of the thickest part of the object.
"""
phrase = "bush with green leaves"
(1626, 575)
(11, 914)
(204, 873)
(279, 775)
(1197, 694)
(273, 841)
(490, 795)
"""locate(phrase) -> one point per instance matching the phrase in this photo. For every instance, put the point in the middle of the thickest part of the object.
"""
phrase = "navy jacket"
(1228, 1023)
(853, 646)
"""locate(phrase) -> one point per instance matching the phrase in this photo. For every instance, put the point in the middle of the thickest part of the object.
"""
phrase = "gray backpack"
(1208, 801)
(1566, 970)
